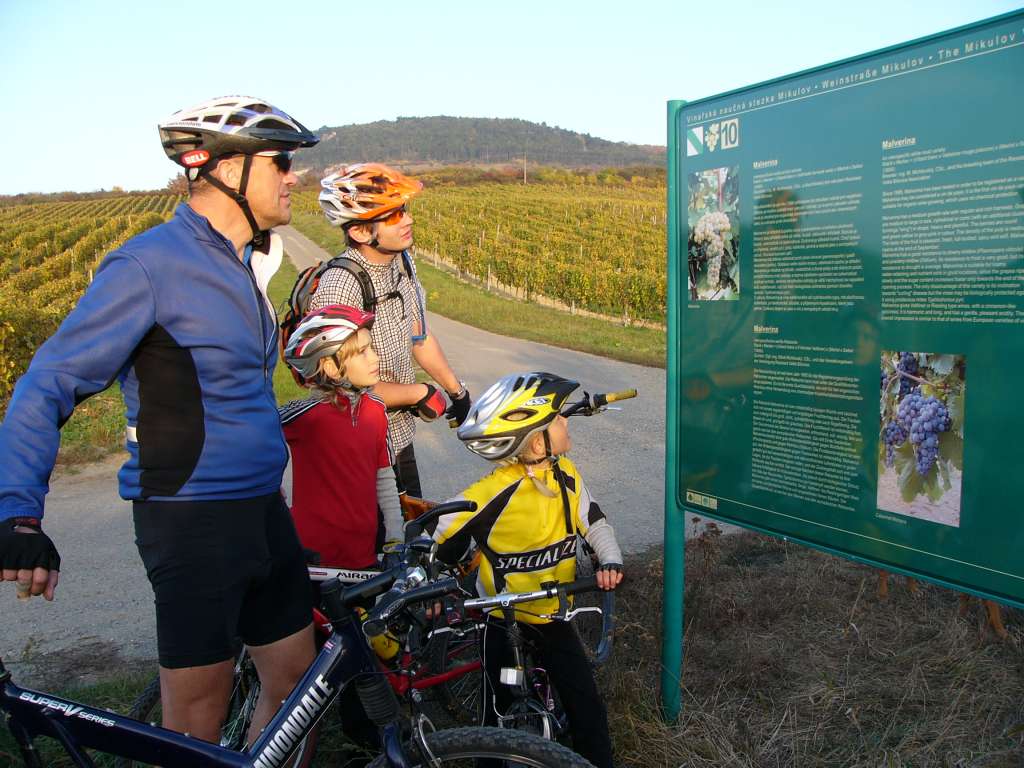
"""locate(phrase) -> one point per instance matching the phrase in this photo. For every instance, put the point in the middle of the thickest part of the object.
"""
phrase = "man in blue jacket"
(180, 317)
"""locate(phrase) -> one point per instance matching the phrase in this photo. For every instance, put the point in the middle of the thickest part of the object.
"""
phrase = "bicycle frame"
(402, 682)
(345, 657)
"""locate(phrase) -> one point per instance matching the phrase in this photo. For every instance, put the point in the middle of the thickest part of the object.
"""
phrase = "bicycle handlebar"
(507, 599)
(459, 505)
(591, 404)
(376, 623)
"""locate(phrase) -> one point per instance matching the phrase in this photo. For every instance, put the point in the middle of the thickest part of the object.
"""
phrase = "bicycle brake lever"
(563, 602)
(584, 609)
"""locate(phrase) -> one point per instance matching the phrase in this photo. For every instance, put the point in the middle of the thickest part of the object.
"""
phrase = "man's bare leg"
(195, 699)
(280, 666)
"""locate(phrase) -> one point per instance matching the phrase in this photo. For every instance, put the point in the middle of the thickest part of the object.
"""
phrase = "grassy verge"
(95, 429)
(279, 289)
(791, 660)
(474, 306)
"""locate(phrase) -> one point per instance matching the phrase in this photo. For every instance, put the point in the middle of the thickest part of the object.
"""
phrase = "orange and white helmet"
(365, 192)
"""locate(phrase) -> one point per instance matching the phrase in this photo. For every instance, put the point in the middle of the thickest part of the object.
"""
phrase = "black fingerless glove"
(431, 405)
(459, 409)
(613, 567)
(20, 551)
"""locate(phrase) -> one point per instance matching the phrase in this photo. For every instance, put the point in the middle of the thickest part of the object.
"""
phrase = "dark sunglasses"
(283, 161)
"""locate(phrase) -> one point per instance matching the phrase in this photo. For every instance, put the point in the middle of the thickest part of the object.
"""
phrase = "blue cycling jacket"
(187, 329)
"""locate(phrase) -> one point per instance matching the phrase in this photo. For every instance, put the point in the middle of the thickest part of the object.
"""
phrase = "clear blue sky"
(85, 83)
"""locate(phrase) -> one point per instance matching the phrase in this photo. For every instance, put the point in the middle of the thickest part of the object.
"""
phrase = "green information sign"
(846, 313)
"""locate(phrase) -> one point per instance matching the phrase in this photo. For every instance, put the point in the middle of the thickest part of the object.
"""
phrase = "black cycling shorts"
(222, 571)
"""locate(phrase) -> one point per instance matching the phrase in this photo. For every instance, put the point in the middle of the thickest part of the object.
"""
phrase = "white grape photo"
(921, 435)
(713, 246)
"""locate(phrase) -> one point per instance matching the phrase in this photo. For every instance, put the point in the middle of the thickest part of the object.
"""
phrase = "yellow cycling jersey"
(523, 533)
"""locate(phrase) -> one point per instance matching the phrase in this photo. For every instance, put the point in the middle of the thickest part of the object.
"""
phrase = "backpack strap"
(306, 285)
(358, 271)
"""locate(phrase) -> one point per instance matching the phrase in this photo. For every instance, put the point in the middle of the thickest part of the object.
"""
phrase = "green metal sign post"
(846, 314)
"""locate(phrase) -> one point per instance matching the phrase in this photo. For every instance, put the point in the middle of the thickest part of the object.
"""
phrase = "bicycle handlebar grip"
(586, 584)
(611, 397)
(372, 587)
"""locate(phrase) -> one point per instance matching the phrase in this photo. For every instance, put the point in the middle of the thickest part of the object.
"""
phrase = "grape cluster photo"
(921, 434)
(713, 249)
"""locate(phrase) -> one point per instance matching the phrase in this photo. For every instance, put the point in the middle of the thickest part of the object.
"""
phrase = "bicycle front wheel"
(459, 697)
(462, 747)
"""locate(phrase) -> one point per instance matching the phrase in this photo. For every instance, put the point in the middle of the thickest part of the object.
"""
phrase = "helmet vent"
(272, 123)
(520, 414)
(235, 119)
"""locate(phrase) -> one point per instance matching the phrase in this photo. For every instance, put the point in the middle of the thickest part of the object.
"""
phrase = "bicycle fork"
(526, 707)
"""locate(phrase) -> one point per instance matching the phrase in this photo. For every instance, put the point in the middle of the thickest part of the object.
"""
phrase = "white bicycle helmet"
(231, 125)
(197, 138)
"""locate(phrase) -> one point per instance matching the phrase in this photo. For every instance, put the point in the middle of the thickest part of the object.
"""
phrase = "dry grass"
(791, 660)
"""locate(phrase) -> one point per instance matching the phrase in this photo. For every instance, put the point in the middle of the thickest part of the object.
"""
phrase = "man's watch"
(460, 393)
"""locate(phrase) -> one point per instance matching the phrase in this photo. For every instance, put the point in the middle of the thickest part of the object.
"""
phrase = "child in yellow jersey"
(529, 512)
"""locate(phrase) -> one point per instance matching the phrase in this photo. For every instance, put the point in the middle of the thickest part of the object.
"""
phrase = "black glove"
(20, 551)
(459, 409)
(614, 567)
(431, 405)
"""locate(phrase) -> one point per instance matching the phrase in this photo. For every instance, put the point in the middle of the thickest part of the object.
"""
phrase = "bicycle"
(535, 705)
(409, 676)
(345, 658)
(245, 687)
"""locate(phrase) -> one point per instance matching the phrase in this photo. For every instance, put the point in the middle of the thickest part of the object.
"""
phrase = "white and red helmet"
(321, 334)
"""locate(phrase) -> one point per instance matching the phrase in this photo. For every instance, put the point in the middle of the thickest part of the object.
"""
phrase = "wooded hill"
(456, 140)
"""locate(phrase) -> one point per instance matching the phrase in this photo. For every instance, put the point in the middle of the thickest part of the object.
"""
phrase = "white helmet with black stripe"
(198, 137)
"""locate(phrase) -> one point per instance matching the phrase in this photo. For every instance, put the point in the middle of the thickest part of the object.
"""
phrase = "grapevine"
(921, 412)
(593, 247)
(52, 251)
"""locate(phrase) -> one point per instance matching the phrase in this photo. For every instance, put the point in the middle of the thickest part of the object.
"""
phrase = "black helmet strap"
(238, 195)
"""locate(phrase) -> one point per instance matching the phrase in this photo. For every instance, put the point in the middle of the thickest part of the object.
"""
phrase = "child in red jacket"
(344, 500)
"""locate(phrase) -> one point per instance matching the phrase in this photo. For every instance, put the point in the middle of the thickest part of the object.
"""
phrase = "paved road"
(104, 605)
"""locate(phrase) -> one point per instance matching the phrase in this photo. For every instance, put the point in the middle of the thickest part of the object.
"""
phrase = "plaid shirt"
(398, 320)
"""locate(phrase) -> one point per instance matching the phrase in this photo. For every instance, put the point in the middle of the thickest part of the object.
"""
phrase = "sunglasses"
(394, 216)
(283, 160)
